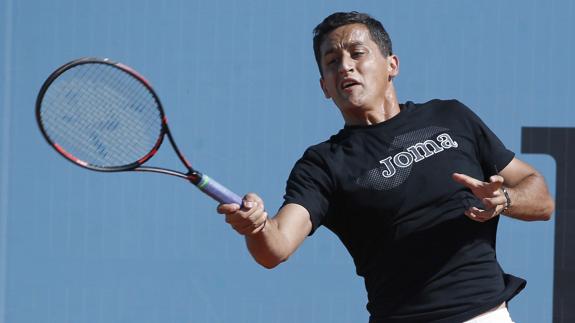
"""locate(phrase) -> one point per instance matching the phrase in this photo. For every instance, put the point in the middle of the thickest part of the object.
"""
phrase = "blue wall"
(240, 86)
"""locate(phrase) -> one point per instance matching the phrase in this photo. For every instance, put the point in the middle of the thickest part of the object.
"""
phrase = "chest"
(382, 174)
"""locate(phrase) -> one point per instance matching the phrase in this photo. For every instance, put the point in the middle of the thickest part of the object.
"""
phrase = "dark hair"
(338, 19)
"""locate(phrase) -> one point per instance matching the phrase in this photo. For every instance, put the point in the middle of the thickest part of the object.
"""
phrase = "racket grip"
(217, 191)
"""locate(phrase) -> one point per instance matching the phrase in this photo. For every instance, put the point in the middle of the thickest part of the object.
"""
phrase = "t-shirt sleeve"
(311, 186)
(492, 153)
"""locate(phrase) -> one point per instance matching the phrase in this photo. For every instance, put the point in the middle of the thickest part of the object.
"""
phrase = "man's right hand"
(248, 219)
(269, 240)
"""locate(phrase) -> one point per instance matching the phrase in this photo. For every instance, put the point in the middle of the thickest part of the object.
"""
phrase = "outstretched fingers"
(467, 181)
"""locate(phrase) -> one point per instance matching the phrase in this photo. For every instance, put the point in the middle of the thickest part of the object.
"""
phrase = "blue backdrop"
(240, 86)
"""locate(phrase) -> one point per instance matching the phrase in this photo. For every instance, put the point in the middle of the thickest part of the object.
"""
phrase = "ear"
(393, 66)
(324, 88)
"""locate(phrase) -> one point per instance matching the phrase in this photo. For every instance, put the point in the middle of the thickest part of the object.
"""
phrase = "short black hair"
(338, 19)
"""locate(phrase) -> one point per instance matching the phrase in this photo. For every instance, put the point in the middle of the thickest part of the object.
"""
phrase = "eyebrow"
(346, 45)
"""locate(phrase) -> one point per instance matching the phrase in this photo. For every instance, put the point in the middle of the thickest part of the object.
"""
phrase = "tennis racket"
(104, 116)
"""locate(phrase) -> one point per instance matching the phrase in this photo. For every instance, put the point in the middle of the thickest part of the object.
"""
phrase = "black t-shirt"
(386, 191)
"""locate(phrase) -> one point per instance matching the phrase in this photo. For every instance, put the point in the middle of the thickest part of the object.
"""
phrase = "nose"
(346, 65)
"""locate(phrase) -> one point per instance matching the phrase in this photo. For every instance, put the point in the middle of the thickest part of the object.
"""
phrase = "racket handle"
(217, 191)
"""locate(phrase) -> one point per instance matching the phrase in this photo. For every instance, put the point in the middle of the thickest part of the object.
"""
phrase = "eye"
(330, 61)
(357, 53)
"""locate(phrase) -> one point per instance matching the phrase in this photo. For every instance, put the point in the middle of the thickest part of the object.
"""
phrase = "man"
(414, 191)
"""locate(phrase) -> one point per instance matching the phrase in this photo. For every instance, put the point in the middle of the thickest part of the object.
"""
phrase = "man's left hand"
(489, 193)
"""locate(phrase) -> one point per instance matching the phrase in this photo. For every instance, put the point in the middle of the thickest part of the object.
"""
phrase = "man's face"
(355, 72)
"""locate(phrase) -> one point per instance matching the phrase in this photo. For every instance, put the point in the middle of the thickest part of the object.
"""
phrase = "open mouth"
(348, 84)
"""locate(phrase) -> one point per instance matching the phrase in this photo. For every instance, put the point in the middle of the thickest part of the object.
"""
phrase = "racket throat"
(196, 178)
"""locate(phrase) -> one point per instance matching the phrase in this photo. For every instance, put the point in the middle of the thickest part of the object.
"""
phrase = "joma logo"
(416, 153)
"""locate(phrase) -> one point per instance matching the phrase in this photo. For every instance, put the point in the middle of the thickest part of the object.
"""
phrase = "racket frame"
(203, 182)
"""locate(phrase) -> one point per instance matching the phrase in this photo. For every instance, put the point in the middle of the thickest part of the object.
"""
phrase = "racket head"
(101, 115)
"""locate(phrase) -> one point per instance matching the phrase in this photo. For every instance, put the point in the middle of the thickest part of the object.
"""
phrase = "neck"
(370, 115)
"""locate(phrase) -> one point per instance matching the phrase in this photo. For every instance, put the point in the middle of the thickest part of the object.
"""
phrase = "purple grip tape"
(218, 192)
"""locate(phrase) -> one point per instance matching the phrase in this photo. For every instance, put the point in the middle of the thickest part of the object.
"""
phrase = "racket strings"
(74, 115)
(101, 115)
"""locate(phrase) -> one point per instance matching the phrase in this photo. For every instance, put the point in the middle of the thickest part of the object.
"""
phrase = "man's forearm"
(281, 236)
(268, 247)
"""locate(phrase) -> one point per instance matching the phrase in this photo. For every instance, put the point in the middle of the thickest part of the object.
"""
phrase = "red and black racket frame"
(206, 184)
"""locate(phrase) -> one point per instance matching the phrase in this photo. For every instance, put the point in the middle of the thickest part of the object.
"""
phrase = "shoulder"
(451, 110)
(438, 104)
(324, 156)
(328, 147)
(317, 155)
(312, 171)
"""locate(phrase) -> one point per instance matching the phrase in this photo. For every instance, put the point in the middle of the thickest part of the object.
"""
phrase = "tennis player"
(413, 190)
